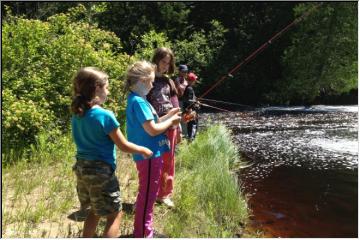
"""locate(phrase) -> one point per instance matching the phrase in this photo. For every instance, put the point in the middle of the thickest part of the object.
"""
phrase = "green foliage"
(131, 20)
(36, 10)
(149, 42)
(208, 200)
(201, 48)
(198, 51)
(39, 60)
(213, 37)
(315, 58)
(322, 58)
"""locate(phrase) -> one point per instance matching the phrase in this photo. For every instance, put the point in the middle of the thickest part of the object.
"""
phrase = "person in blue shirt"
(95, 132)
(146, 128)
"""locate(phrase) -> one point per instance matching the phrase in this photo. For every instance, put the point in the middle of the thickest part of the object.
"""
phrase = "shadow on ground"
(80, 215)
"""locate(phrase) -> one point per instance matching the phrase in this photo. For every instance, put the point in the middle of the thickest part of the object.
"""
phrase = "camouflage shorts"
(97, 187)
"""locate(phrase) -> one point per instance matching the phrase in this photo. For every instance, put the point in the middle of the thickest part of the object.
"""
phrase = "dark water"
(303, 175)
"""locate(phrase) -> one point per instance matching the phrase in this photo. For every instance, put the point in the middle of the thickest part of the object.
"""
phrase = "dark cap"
(183, 68)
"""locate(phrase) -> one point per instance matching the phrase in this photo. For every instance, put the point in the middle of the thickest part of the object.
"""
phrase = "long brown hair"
(84, 86)
(170, 82)
(162, 52)
(159, 54)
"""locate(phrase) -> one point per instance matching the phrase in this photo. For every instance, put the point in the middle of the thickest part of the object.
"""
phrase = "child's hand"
(189, 116)
(147, 153)
(173, 111)
(175, 120)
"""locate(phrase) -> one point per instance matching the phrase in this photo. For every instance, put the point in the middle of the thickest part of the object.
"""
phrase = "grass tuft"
(208, 199)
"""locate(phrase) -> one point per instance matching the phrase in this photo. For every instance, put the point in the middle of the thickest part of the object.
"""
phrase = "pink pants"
(149, 174)
(168, 170)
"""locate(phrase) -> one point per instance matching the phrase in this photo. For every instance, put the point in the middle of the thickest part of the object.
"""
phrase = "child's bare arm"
(126, 146)
(171, 112)
(154, 129)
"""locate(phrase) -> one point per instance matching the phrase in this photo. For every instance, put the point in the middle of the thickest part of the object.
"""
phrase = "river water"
(302, 178)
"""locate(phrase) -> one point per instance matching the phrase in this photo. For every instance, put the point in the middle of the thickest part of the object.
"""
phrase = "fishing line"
(259, 50)
(221, 109)
(223, 102)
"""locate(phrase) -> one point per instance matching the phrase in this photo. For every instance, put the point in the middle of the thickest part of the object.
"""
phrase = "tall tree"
(36, 10)
(322, 58)
(249, 25)
(131, 20)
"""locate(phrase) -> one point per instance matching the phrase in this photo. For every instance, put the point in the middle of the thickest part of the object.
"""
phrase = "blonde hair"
(140, 70)
(84, 86)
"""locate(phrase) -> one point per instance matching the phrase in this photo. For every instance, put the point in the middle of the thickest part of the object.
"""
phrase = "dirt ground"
(70, 224)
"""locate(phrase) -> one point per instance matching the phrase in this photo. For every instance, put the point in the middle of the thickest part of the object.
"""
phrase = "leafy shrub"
(39, 61)
(201, 48)
(321, 59)
(149, 42)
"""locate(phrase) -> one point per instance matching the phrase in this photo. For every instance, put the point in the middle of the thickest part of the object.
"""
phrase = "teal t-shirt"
(91, 135)
(138, 111)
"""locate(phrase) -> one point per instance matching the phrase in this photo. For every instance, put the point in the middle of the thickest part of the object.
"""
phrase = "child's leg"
(149, 174)
(90, 224)
(196, 127)
(192, 128)
(168, 170)
(97, 185)
(112, 225)
(190, 125)
(184, 128)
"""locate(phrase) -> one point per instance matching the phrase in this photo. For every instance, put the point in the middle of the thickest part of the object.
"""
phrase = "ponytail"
(79, 105)
(84, 87)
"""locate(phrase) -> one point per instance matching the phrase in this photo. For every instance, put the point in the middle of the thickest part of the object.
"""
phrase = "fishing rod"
(223, 102)
(189, 116)
(259, 50)
(207, 105)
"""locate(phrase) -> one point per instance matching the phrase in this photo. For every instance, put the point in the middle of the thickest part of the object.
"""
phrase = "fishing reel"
(189, 116)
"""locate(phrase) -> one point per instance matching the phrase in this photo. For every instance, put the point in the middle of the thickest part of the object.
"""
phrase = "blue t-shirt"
(138, 111)
(91, 135)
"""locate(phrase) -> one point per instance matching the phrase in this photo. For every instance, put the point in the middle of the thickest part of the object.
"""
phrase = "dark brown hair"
(162, 52)
(159, 54)
(84, 86)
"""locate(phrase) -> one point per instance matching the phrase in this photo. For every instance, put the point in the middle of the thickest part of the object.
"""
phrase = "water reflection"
(297, 202)
(303, 178)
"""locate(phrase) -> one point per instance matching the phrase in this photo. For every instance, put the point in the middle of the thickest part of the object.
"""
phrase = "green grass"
(208, 200)
(38, 191)
(38, 188)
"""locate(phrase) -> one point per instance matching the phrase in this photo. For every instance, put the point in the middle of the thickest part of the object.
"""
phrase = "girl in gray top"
(162, 97)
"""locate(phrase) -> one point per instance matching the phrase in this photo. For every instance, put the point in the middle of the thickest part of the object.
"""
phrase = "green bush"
(201, 48)
(149, 42)
(39, 59)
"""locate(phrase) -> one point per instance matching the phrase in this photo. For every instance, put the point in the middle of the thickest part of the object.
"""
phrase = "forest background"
(45, 43)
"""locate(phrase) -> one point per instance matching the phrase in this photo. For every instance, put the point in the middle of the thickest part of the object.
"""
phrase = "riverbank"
(39, 197)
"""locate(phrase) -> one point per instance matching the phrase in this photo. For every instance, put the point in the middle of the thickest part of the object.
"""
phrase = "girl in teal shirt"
(96, 132)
